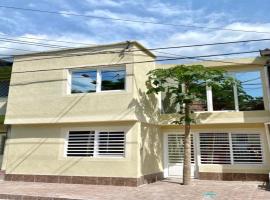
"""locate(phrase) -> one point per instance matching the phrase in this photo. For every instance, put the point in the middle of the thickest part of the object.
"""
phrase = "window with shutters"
(111, 143)
(95, 144)
(81, 143)
(215, 148)
(231, 148)
(247, 148)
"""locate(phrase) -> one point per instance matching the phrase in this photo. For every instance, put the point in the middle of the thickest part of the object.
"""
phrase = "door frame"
(166, 157)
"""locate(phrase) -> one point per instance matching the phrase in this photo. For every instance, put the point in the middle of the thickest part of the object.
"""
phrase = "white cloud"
(105, 3)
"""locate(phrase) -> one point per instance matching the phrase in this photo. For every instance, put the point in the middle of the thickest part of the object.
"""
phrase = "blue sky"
(240, 14)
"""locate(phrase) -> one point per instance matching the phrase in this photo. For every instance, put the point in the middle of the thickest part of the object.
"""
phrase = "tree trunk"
(187, 148)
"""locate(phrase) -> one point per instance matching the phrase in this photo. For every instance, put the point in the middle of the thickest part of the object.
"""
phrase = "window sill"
(99, 93)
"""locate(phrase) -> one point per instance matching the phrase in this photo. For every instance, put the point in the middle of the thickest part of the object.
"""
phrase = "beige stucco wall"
(39, 90)
(146, 106)
(151, 149)
(222, 117)
(233, 128)
(39, 149)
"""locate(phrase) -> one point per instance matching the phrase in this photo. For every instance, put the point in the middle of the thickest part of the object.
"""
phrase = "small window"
(81, 143)
(96, 80)
(113, 79)
(247, 148)
(95, 144)
(215, 148)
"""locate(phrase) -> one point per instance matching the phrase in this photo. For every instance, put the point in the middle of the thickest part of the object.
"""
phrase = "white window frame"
(209, 93)
(95, 153)
(98, 79)
(231, 148)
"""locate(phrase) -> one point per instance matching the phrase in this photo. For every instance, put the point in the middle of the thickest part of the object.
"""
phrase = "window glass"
(113, 79)
(4, 88)
(250, 92)
(223, 97)
(200, 90)
(84, 81)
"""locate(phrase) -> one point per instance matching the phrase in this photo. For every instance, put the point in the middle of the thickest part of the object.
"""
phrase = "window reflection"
(113, 79)
(223, 97)
(250, 92)
(84, 81)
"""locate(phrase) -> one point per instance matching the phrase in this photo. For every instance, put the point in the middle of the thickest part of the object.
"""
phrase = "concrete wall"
(39, 150)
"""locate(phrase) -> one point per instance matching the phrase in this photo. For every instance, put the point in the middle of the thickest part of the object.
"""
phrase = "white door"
(175, 155)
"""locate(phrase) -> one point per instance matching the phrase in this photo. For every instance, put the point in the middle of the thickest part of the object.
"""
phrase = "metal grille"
(94, 144)
(111, 143)
(247, 148)
(215, 148)
(176, 148)
(81, 143)
(4, 88)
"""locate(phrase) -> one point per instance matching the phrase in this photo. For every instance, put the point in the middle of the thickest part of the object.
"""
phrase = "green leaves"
(194, 78)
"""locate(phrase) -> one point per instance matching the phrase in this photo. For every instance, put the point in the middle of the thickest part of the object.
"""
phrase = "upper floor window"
(245, 95)
(96, 80)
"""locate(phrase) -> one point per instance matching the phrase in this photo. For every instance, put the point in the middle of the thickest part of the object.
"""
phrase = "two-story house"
(82, 115)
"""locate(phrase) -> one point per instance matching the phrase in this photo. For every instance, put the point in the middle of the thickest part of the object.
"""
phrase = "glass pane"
(4, 88)
(223, 97)
(84, 81)
(113, 79)
(250, 93)
(200, 90)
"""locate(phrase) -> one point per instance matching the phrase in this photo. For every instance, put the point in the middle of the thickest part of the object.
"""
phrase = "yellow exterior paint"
(40, 111)
(39, 149)
(151, 149)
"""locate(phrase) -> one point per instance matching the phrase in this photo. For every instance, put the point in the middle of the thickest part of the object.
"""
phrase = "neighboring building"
(82, 116)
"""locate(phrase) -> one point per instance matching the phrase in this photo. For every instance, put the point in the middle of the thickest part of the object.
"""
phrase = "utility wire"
(127, 20)
(134, 50)
(11, 40)
(125, 63)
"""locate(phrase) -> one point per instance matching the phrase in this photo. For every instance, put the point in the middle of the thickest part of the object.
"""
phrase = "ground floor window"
(95, 144)
(230, 148)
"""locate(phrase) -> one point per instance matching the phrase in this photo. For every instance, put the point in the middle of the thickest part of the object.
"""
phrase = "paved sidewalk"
(163, 190)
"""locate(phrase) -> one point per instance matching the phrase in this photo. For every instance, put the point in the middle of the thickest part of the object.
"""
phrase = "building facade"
(82, 115)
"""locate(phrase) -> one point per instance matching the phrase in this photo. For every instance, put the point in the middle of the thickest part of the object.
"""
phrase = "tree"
(185, 85)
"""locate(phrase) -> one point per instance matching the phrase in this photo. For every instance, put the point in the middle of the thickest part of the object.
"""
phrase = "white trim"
(98, 79)
(209, 98)
(231, 149)
(266, 125)
(165, 155)
(235, 96)
(97, 131)
(267, 87)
